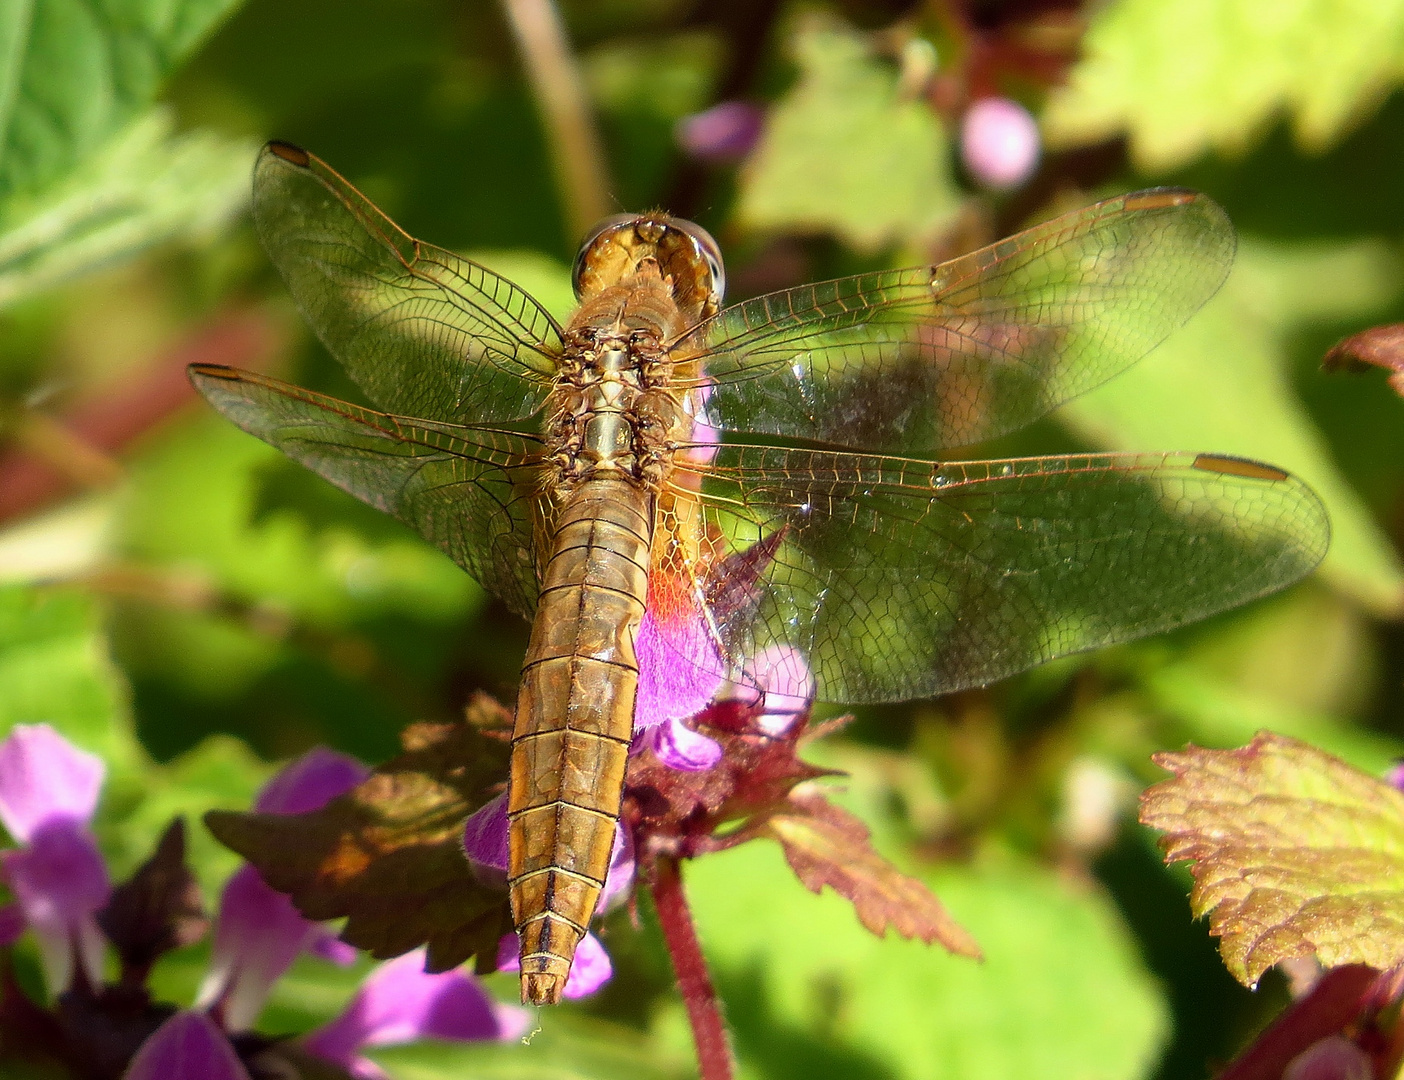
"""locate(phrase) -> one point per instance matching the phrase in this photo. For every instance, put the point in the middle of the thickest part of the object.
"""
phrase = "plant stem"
(714, 1059)
(555, 77)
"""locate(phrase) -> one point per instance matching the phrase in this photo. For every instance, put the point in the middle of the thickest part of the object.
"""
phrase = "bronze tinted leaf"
(158, 909)
(1295, 853)
(388, 856)
(825, 845)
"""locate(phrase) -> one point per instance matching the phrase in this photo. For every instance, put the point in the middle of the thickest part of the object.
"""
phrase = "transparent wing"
(420, 330)
(468, 491)
(897, 578)
(914, 361)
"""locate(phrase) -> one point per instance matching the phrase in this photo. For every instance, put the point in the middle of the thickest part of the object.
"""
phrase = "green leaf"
(72, 72)
(562, 1048)
(146, 186)
(192, 505)
(1295, 853)
(221, 772)
(54, 669)
(1220, 385)
(1061, 991)
(844, 152)
(1182, 78)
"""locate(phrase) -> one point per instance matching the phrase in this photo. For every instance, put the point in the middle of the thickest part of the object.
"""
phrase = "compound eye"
(587, 245)
(711, 255)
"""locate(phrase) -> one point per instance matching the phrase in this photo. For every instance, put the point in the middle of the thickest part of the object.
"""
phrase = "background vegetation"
(184, 601)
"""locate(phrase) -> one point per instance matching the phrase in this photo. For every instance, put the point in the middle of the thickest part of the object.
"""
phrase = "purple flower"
(188, 1045)
(400, 1002)
(1395, 776)
(725, 132)
(48, 792)
(999, 142)
(260, 933)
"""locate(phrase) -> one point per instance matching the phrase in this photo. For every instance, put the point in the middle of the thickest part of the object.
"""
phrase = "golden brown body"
(616, 414)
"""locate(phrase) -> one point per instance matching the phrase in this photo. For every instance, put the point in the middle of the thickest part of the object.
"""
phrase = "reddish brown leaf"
(1295, 853)
(825, 845)
(1379, 346)
(157, 910)
(388, 856)
(679, 811)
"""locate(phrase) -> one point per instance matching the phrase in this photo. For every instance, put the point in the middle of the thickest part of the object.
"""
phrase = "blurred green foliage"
(217, 608)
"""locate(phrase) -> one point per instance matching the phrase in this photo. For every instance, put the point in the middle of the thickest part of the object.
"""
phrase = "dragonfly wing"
(941, 356)
(467, 491)
(420, 330)
(897, 578)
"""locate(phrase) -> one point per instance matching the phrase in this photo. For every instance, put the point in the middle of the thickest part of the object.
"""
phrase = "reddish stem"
(1333, 1003)
(714, 1059)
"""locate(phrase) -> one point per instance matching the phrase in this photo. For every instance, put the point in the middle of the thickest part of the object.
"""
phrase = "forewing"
(897, 578)
(420, 330)
(467, 491)
(913, 361)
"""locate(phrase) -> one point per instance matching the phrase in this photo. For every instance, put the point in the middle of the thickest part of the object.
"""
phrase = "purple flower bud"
(725, 132)
(49, 790)
(44, 777)
(260, 933)
(61, 882)
(485, 836)
(1395, 776)
(188, 1045)
(310, 782)
(999, 142)
(679, 747)
(400, 1002)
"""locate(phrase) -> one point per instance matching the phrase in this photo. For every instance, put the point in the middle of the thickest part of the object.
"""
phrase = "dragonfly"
(759, 477)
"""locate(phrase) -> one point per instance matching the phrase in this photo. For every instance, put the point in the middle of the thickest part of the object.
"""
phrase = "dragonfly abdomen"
(575, 717)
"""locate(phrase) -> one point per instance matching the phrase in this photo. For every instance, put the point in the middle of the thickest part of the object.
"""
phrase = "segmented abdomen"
(575, 718)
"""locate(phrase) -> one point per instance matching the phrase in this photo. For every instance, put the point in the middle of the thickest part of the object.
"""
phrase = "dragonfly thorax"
(614, 414)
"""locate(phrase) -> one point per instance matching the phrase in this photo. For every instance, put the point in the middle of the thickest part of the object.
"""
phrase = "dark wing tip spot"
(1236, 466)
(295, 155)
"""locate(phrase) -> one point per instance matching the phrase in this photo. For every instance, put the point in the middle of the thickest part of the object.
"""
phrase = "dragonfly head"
(624, 245)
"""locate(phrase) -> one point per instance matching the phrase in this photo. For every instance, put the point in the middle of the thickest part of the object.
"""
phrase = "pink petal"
(310, 782)
(259, 934)
(400, 1002)
(1333, 1058)
(620, 877)
(327, 946)
(999, 142)
(681, 748)
(589, 971)
(784, 677)
(725, 132)
(188, 1046)
(485, 835)
(60, 882)
(677, 662)
(1395, 776)
(44, 777)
